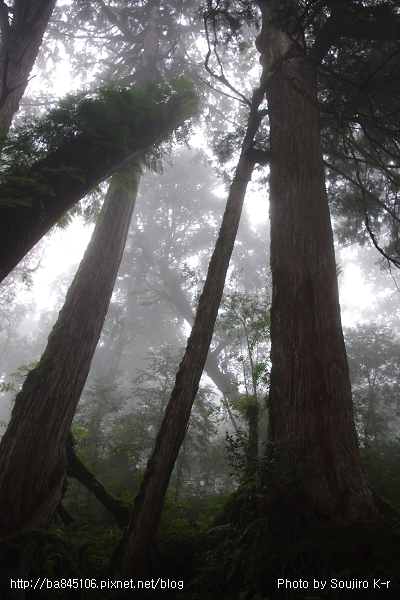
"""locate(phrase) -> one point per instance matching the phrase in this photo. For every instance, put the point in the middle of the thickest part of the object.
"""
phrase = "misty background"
(172, 234)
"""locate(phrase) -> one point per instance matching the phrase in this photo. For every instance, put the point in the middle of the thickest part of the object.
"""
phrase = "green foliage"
(282, 464)
(55, 556)
(15, 386)
(116, 442)
(230, 17)
(237, 445)
(20, 196)
(126, 181)
(133, 433)
(382, 468)
(226, 145)
(88, 209)
(258, 539)
(97, 412)
(104, 119)
(245, 317)
(373, 352)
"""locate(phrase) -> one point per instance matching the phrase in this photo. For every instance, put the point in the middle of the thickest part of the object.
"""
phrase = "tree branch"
(78, 470)
(368, 193)
(71, 172)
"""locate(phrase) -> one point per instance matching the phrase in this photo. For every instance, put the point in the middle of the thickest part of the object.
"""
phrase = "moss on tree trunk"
(72, 171)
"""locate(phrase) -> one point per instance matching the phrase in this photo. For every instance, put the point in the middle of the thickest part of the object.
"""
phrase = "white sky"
(67, 247)
(355, 293)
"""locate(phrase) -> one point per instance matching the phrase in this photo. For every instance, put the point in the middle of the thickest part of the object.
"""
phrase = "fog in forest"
(181, 184)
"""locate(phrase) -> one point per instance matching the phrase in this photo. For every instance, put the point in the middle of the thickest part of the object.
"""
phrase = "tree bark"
(134, 548)
(20, 42)
(21, 227)
(310, 400)
(33, 458)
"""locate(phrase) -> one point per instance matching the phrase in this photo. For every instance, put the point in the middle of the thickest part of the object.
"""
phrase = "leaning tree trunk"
(134, 548)
(20, 42)
(33, 459)
(310, 402)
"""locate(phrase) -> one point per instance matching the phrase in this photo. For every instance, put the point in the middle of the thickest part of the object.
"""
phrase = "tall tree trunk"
(20, 42)
(310, 400)
(33, 459)
(33, 452)
(133, 550)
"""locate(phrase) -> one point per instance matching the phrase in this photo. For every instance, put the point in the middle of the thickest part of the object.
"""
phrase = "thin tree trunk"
(250, 471)
(310, 400)
(132, 552)
(21, 39)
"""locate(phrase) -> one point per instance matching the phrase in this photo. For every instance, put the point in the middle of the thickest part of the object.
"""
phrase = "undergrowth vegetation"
(247, 545)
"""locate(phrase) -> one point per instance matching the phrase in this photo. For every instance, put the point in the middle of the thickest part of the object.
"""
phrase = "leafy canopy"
(105, 118)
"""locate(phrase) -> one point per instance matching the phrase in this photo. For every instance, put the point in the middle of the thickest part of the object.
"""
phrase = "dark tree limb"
(371, 195)
(77, 469)
(21, 227)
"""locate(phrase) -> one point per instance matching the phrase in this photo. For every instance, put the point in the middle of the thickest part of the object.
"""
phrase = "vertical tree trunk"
(20, 42)
(310, 398)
